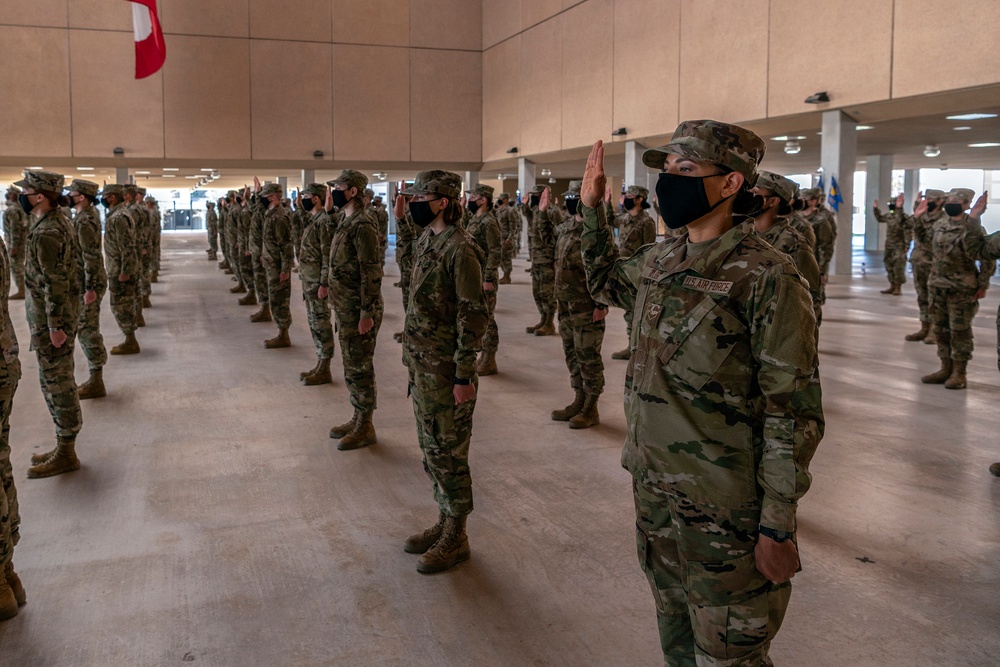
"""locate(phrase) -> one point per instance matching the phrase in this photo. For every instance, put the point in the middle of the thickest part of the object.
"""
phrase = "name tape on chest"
(710, 286)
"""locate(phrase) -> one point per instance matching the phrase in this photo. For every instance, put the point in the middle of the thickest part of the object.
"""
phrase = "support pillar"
(471, 179)
(878, 186)
(839, 155)
(308, 177)
(636, 172)
(283, 184)
(525, 184)
(121, 175)
(911, 186)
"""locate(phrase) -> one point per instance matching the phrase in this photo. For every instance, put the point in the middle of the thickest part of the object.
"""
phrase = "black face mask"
(954, 209)
(421, 213)
(628, 203)
(239, 200)
(105, 203)
(572, 205)
(308, 204)
(473, 207)
(26, 206)
(340, 198)
(798, 205)
(931, 205)
(892, 206)
(682, 199)
(533, 200)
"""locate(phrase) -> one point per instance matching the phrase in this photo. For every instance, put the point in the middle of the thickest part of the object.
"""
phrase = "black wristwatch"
(776, 535)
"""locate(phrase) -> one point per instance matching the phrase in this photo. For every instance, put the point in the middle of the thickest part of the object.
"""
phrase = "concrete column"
(636, 172)
(283, 184)
(525, 183)
(471, 179)
(911, 186)
(877, 186)
(838, 157)
(121, 175)
(308, 177)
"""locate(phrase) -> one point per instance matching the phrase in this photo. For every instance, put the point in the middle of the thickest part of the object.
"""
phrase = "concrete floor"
(213, 521)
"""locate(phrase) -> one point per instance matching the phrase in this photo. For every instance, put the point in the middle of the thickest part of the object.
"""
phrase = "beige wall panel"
(534, 12)
(291, 124)
(47, 13)
(384, 22)
(922, 65)
(371, 103)
(647, 53)
(34, 120)
(501, 20)
(214, 18)
(308, 20)
(207, 98)
(541, 89)
(849, 57)
(110, 107)
(502, 99)
(99, 14)
(446, 24)
(726, 80)
(446, 123)
(587, 73)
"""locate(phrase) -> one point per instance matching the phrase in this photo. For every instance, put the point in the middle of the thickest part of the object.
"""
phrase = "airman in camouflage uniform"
(722, 398)
(277, 257)
(581, 319)
(156, 228)
(542, 239)
(212, 227)
(825, 226)
(94, 278)
(509, 221)
(635, 229)
(355, 277)
(51, 276)
(897, 242)
(15, 233)
(244, 229)
(956, 285)
(11, 591)
(122, 258)
(138, 214)
(485, 231)
(445, 323)
(921, 227)
(255, 238)
(225, 205)
(314, 252)
(406, 236)
(381, 218)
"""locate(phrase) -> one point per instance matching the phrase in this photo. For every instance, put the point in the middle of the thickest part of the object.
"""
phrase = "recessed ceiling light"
(971, 116)
(192, 177)
(141, 172)
(931, 150)
(36, 168)
(859, 128)
(962, 127)
(85, 169)
(792, 147)
(169, 176)
(788, 138)
(985, 144)
(171, 169)
(203, 169)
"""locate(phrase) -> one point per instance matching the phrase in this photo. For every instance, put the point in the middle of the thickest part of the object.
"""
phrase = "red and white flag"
(150, 51)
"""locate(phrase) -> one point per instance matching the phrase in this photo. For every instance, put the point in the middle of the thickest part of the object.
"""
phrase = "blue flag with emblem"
(834, 199)
(822, 190)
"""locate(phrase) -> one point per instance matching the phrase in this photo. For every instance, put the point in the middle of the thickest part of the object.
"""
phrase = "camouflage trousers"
(952, 311)
(921, 272)
(491, 339)
(279, 295)
(56, 372)
(320, 326)
(895, 264)
(123, 305)
(582, 338)
(405, 270)
(156, 251)
(543, 288)
(10, 517)
(146, 262)
(246, 273)
(89, 332)
(259, 278)
(17, 269)
(357, 352)
(713, 607)
(507, 258)
(213, 237)
(444, 431)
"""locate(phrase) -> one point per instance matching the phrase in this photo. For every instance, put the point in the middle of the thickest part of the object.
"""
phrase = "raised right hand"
(595, 181)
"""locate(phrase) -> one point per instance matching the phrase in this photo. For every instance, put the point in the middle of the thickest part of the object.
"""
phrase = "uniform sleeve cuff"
(777, 515)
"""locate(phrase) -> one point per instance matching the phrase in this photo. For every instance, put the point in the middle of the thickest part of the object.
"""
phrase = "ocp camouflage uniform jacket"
(355, 272)
(120, 242)
(276, 251)
(92, 274)
(243, 223)
(507, 221)
(785, 238)
(571, 275)
(15, 227)
(797, 222)
(143, 239)
(956, 245)
(485, 231)
(543, 235)
(896, 234)
(921, 228)
(10, 365)
(406, 237)
(51, 273)
(634, 232)
(722, 396)
(255, 237)
(825, 227)
(447, 314)
(314, 249)
(211, 218)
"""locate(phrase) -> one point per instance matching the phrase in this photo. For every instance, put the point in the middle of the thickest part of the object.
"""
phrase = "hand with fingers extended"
(980, 206)
(399, 209)
(543, 201)
(595, 181)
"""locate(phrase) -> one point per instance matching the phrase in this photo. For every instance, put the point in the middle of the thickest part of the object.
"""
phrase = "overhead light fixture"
(512, 150)
(501, 177)
(546, 172)
(171, 169)
(36, 168)
(318, 155)
(985, 144)
(971, 116)
(208, 170)
(931, 151)
(552, 180)
(788, 138)
(118, 151)
(818, 98)
(793, 148)
(861, 128)
(85, 169)
(169, 176)
(962, 127)
(620, 132)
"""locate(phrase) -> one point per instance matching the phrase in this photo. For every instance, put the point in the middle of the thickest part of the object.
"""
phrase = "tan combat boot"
(931, 338)
(957, 379)
(262, 315)
(304, 374)
(362, 435)
(240, 288)
(94, 387)
(338, 432)
(925, 328)
(398, 337)
(140, 321)
(941, 376)
(281, 340)
(487, 363)
(897, 290)
(146, 303)
(571, 410)
(129, 346)
(421, 542)
(995, 469)
(541, 323)
(14, 582)
(623, 355)
(8, 605)
(321, 375)
(249, 300)
(155, 278)
(224, 265)
(63, 460)
(547, 328)
(588, 416)
(505, 280)
(43, 457)
(451, 548)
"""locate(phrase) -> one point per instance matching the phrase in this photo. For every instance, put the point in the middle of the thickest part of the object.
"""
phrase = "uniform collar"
(673, 258)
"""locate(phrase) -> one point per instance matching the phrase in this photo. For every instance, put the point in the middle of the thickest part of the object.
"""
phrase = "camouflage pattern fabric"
(256, 241)
(122, 258)
(582, 337)
(921, 229)
(53, 302)
(724, 410)
(988, 250)
(796, 221)
(485, 231)
(313, 272)
(212, 228)
(156, 227)
(15, 234)
(276, 256)
(633, 233)
(543, 245)
(144, 244)
(10, 374)
(896, 245)
(92, 276)
(825, 227)
(381, 217)
(299, 221)
(244, 222)
(406, 236)
(508, 219)
(712, 141)
(790, 241)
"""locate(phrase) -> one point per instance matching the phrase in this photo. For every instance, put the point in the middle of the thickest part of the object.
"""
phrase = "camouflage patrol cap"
(637, 191)
(315, 190)
(231, 193)
(210, 204)
(482, 190)
(436, 182)
(350, 178)
(537, 190)
(574, 190)
(724, 144)
(965, 194)
(42, 181)
(113, 189)
(810, 193)
(141, 191)
(270, 189)
(503, 196)
(778, 184)
(13, 190)
(369, 193)
(150, 199)
(131, 188)
(88, 188)
(935, 194)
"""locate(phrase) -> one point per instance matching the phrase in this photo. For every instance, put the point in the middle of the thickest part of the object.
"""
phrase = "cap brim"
(654, 157)
(410, 191)
(21, 184)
